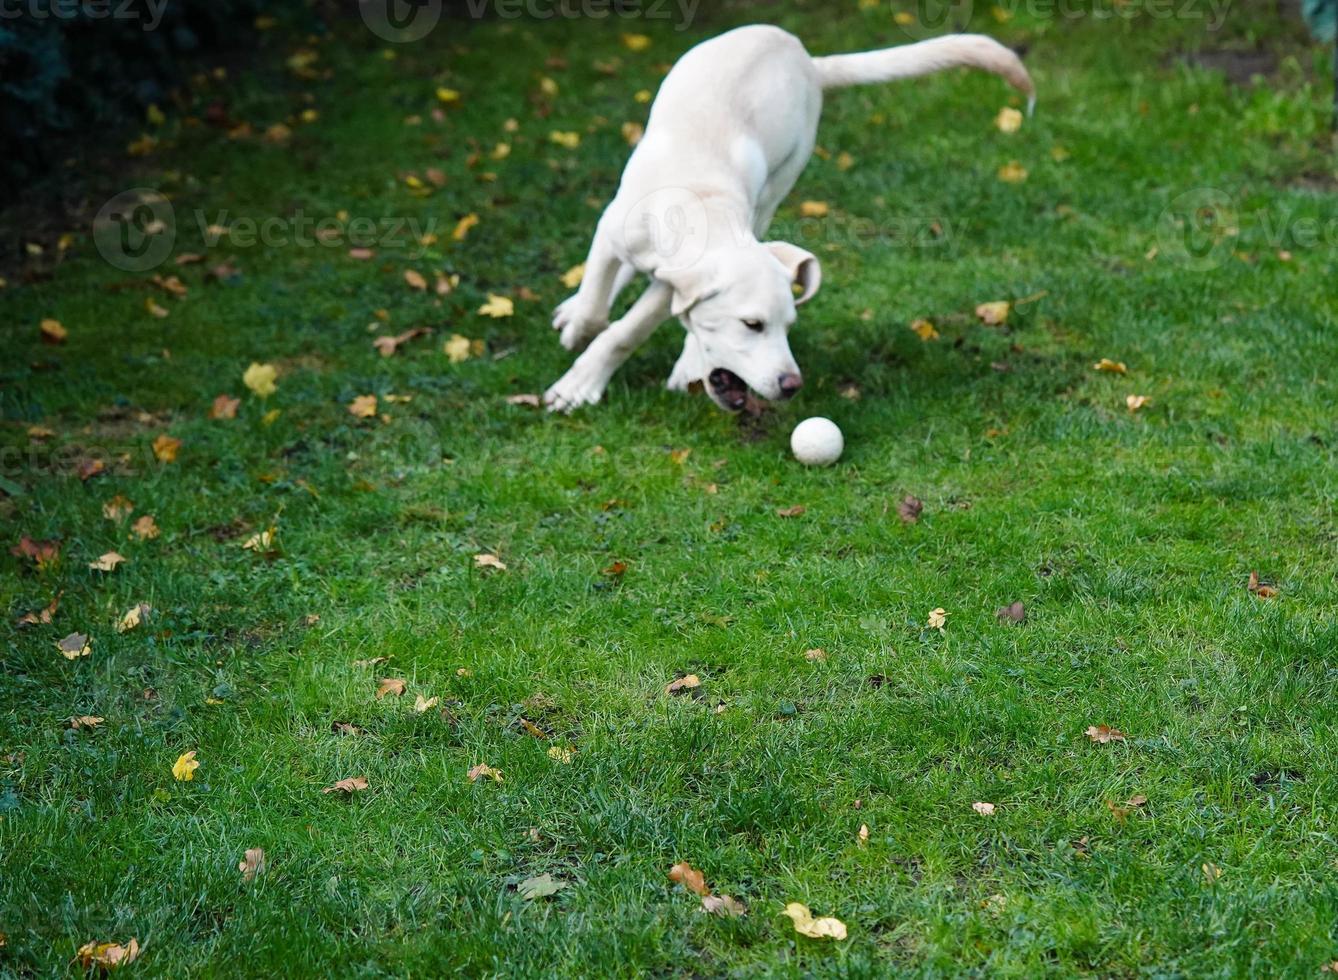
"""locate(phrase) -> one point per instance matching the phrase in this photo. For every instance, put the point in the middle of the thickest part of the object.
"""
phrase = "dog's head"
(739, 303)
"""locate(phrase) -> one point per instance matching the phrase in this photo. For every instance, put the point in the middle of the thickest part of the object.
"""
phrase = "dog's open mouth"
(729, 389)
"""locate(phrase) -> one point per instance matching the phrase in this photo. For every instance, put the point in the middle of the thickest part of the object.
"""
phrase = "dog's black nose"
(790, 384)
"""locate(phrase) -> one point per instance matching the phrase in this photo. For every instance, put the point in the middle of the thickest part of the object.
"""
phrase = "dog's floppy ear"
(803, 266)
(690, 286)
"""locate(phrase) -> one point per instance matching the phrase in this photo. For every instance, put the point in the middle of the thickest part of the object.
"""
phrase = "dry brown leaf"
(483, 770)
(1015, 612)
(863, 835)
(415, 279)
(252, 863)
(354, 784)
(1012, 172)
(117, 509)
(938, 619)
(683, 684)
(487, 562)
(723, 905)
(816, 654)
(74, 646)
(529, 401)
(89, 468)
(814, 209)
(145, 528)
(1110, 367)
(1104, 734)
(43, 554)
(363, 407)
(689, 877)
(224, 407)
(909, 509)
(387, 344)
(41, 616)
(983, 808)
(796, 511)
(1255, 587)
(84, 722)
(1135, 402)
(390, 685)
(361, 254)
(421, 704)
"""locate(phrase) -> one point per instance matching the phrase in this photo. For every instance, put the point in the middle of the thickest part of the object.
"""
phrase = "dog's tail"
(924, 58)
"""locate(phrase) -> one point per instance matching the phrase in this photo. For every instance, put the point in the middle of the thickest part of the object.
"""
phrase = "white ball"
(817, 442)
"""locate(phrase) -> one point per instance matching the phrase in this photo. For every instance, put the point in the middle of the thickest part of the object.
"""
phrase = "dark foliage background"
(69, 68)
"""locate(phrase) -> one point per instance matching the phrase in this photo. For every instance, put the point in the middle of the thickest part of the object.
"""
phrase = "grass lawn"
(1129, 536)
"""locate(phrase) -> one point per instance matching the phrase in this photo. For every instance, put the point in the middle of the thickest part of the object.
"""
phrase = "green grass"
(1129, 537)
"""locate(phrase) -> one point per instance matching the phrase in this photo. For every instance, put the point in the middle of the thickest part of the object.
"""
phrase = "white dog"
(733, 126)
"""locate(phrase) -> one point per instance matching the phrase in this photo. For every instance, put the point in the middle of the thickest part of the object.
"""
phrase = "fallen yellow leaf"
(133, 617)
(415, 279)
(107, 956)
(1008, 120)
(573, 276)
(498, 306)
(1110, 367)
(994, 313)
(814, 209)
(487, 561)
(53, 332)
(422, 704)
(183, 770)
(806, 925)
(260, 379)
(457, 349)
(463, 226)
(165, 448)
(1012, 172)
(938, 619)
(924, 330)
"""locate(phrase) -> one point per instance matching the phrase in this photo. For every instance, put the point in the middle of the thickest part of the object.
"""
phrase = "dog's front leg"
(585, 315)
(584, 384)
(690, 367)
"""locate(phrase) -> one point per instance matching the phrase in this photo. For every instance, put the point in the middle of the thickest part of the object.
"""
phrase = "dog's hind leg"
(585, 315)
(585, 382)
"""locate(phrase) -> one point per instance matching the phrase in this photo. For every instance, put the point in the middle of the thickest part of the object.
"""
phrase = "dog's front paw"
(690, 368)
(577, 326)
(577, 387)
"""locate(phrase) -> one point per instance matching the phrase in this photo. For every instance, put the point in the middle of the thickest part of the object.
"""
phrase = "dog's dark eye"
(756, 326)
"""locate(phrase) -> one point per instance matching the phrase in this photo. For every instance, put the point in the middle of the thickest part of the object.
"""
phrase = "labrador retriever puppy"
(732, 128)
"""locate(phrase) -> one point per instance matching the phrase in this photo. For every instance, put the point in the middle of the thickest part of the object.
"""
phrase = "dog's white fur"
(732, 128)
